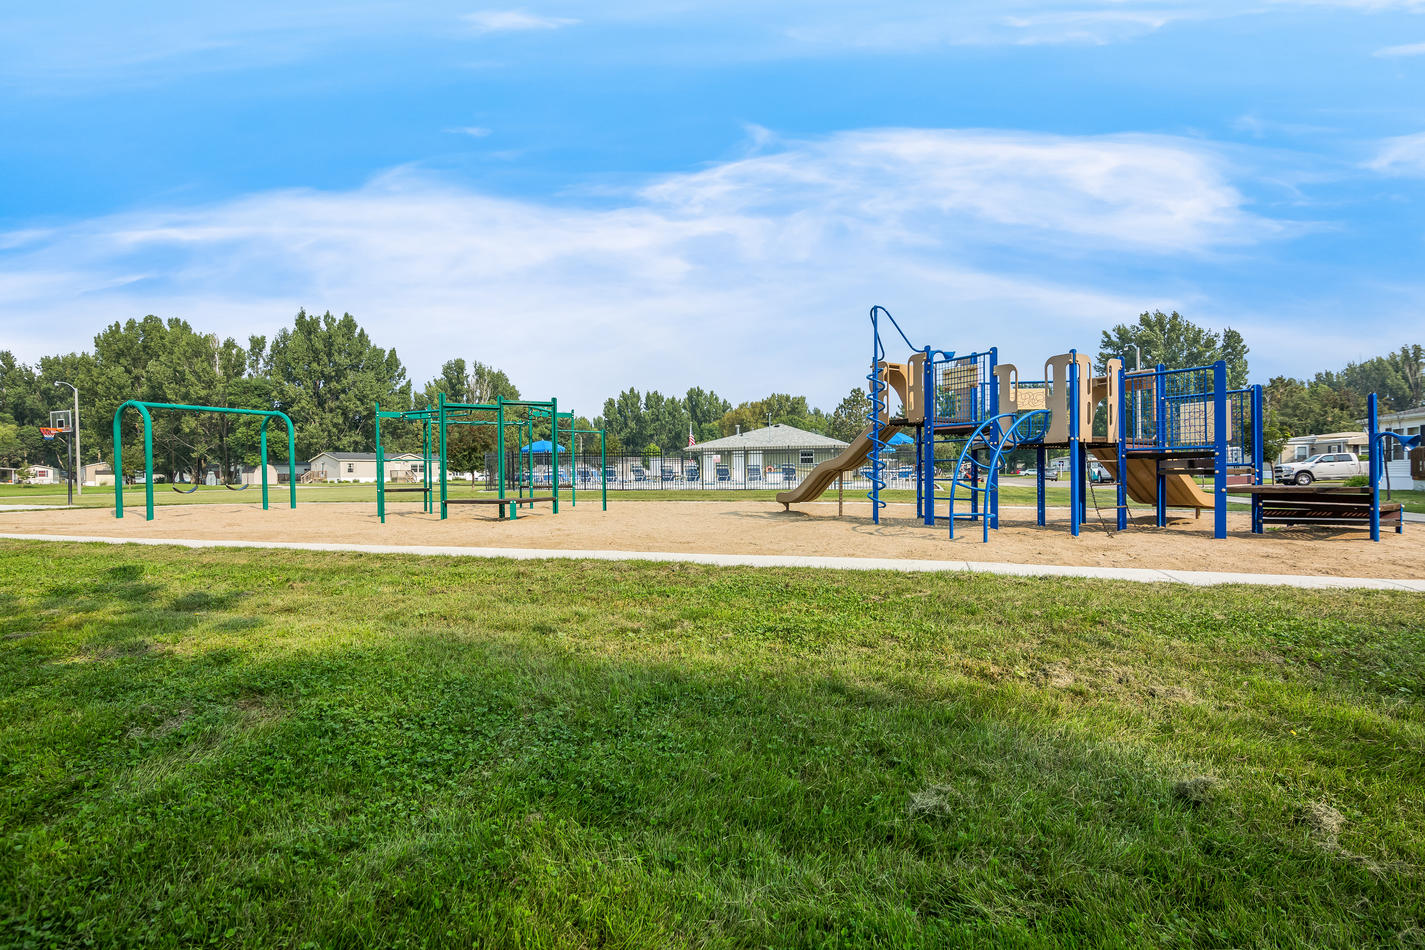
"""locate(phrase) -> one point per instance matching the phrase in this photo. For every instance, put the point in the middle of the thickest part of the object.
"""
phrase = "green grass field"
(286, 749)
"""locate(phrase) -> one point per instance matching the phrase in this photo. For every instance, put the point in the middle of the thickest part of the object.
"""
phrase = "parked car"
(1332, 465)
(1099, 474)
(1051, 474)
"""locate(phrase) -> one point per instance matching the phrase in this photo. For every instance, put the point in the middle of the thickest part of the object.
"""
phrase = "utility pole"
(78, 458)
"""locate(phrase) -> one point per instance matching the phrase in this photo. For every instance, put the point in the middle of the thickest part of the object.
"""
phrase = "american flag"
(691, 440)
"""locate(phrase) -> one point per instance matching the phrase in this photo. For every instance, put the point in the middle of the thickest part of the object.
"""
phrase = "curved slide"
(824, 475)
(1179, 490)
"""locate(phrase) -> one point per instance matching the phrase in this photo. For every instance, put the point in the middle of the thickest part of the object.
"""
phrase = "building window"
(350, 467)
(806, 457)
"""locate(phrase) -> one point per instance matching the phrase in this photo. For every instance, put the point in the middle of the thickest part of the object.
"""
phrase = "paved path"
(1135, 574)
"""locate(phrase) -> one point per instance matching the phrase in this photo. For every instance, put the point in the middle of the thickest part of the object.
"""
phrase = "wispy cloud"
(1402, 155)
(741, 265)
(511, 21)
(1016, 24)
(474, 131)
(1405, 49)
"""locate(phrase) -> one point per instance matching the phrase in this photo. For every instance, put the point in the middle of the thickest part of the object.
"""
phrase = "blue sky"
(715, 193)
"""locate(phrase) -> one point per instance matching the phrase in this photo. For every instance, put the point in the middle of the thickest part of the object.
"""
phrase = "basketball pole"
(78, 458)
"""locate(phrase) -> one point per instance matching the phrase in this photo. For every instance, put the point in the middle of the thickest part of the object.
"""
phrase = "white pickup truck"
(1332, 465)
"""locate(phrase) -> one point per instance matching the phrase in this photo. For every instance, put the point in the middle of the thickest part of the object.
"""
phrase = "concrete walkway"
(1134, 574)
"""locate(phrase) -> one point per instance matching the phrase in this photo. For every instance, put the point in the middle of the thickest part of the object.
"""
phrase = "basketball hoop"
(50, 432)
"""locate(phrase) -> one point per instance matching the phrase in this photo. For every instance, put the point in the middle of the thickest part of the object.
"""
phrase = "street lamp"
(78, 458)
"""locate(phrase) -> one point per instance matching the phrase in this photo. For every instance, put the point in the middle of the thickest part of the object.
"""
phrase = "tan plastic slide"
(824, 475)
(1180, 490)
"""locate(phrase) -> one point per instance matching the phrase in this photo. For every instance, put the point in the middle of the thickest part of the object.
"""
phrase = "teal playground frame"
(514, 421)
(144, 410)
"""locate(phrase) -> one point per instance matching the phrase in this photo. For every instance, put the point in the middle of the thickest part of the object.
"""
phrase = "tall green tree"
(328, 375)
(705, 409)
(667, 420)
(773, 409)
(1294, 407)
(1174, 341)
(624, 419)
(849, 417)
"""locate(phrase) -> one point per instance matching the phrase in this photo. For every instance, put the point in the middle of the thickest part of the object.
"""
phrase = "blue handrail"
(1024, 429)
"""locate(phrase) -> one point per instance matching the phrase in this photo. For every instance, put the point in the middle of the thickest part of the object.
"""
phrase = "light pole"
(78, 458)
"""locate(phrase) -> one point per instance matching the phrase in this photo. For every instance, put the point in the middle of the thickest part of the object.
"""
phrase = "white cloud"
(1405, 49)
(751, 276)
(474, 131)
(1403, 155)
(921, 26)
(510, 21)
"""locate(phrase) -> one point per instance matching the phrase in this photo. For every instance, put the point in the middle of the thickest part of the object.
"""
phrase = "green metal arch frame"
(144, 411)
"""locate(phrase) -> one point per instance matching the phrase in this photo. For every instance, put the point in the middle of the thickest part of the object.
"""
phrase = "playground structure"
(515, 422)
(1154, 430)
(145, 409)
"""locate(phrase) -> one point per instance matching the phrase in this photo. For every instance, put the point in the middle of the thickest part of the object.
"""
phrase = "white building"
(45, 475)
(361, 467)
(1304, 446)
(777, 454)
(1407, 422)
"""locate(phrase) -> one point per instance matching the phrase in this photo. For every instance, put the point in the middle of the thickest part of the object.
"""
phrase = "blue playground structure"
(1155, 432)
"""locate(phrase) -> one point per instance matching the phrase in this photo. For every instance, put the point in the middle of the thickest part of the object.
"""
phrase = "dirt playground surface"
(762, 527)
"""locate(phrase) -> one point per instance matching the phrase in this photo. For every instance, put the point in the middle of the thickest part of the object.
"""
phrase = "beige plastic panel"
(1011, 397)
(1056, 371)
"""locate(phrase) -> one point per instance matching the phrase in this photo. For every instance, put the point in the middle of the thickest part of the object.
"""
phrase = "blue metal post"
(1042, 458)
(1121, 489)
(1372, 425)
(1076, 487)
(927, 470)
(1219, 449)
(1160, 428)
(554, 450)
(992, 502)
(875, 392)
(1257, 457)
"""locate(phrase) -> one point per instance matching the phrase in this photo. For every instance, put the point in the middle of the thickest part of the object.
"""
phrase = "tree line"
(327, 374)
(323, 371)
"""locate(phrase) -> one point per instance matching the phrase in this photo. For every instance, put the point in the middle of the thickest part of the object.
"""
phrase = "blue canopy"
(542, 447)
(900, 438)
